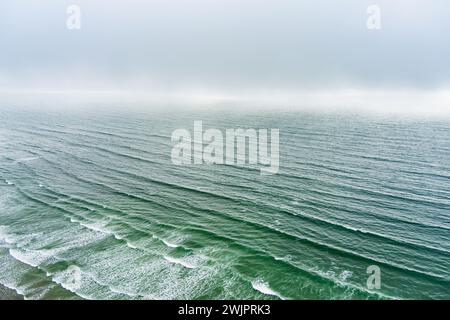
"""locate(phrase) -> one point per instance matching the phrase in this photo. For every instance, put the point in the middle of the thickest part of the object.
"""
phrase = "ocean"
(92, 207)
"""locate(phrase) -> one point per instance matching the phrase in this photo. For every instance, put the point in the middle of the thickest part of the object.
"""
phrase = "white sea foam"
(23, 257)
(117, 237)
(180, 262)
(167, 243)
(72, 278)
(338, 279)
(94, 226)
(35, 258)
(62, 278)
(131, 245)
(103, 277)
(99, 227)
(285, 258)
(345, 275)
(264, 288)
(171, 245)
(18, 290)
(5, 236)
(279, 258)
(11, 275)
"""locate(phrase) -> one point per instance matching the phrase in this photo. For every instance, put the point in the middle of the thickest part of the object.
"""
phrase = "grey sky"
(225, 44)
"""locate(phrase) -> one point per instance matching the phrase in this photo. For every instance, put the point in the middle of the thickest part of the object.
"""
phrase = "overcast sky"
(225, 45)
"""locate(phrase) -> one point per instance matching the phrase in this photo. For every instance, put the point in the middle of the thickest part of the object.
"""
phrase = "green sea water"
(95, 191)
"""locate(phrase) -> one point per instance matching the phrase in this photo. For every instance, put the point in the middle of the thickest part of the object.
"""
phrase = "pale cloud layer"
(226, 46)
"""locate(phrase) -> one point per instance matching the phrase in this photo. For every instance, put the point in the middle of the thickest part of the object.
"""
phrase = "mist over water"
(97, 191)
(93, 207)
(283, 51)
